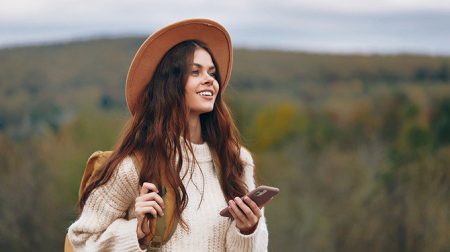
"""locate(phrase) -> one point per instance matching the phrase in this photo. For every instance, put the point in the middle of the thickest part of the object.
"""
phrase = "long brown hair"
(161, 121)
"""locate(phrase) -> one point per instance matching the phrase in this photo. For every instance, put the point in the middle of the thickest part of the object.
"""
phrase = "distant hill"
(48, 83)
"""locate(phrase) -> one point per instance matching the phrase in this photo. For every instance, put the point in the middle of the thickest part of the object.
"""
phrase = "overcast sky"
(386, 26)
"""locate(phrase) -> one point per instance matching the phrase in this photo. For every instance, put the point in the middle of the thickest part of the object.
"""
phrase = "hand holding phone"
(260, 195)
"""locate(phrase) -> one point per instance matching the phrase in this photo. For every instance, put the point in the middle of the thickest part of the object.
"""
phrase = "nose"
(208, 80)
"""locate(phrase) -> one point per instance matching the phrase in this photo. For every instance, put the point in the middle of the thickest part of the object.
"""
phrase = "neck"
(195, 129)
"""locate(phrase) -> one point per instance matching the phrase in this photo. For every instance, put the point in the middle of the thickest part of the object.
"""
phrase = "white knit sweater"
(108, 221)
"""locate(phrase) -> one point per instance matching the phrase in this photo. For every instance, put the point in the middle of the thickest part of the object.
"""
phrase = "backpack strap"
(164, 226)
(93, 165)
(171, 221)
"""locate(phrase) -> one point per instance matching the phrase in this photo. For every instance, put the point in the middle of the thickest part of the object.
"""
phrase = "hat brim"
(155, 47)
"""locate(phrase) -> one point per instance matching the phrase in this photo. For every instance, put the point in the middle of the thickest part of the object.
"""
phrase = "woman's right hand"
(147, 202)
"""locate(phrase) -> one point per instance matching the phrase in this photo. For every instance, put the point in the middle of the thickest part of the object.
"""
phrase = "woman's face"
(201, 87)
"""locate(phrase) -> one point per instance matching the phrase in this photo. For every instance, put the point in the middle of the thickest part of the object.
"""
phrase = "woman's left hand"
(246, 214)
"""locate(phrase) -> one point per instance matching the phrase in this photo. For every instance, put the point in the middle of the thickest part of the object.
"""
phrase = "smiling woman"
(180, 158)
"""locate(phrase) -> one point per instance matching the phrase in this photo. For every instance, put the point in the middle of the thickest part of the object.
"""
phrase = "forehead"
(202, 57)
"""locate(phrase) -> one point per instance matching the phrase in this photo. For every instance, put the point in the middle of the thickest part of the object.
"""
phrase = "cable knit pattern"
(102, 225)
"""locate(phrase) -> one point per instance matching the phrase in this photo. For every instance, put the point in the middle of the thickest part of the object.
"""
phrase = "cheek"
(189, 97)
(190, 87)
(189, 84)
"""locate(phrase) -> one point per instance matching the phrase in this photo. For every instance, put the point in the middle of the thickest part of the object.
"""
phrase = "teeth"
(205, 93)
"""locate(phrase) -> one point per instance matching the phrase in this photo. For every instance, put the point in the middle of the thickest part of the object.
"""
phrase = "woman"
(174, 92)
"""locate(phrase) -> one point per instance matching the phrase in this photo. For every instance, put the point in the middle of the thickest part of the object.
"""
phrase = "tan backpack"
(162, 228)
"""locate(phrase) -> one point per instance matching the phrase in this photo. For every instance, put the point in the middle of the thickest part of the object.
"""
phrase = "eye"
(195, 72)
(213, 74)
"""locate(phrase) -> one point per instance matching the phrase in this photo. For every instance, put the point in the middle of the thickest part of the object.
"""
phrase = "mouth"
(205, 93)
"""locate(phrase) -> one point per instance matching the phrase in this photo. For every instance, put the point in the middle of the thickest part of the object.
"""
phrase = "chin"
(205, 110)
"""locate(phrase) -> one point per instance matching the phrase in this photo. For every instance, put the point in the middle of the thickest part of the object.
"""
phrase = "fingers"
(144, 206)
(236, 212)
(231, 211)
(248, 212)
(149, 202)
(148, 187)
(151, 197)
(243, 212)
(149, 210)
(255, 209)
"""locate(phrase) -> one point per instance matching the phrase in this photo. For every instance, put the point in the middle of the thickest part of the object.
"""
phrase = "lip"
(209, 98)
(204, 90)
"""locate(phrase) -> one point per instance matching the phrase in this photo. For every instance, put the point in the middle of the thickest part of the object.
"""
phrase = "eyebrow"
(199, 65)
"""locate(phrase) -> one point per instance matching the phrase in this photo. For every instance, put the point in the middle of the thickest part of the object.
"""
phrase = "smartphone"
(259, 195)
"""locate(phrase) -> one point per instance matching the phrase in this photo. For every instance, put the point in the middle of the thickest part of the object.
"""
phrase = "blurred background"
(345, 106)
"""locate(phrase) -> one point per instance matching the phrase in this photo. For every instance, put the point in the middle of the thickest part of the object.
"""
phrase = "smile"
(205, 93)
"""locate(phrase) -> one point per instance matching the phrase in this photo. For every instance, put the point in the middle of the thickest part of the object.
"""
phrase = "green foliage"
(441, 122)
(358, 144)
(275, 126)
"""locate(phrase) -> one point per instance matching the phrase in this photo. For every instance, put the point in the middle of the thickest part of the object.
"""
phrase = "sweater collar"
(201, 151)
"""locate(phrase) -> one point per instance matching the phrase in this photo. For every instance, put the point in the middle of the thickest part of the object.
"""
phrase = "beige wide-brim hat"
(155, 47)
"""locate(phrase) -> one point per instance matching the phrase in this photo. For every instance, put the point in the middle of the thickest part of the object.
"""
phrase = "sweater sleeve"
(258, 240)
(102, 225)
